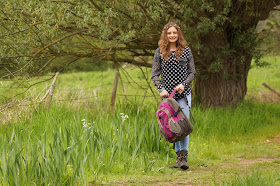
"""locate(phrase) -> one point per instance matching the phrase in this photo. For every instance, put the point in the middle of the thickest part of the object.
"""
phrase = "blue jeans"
(184, 144)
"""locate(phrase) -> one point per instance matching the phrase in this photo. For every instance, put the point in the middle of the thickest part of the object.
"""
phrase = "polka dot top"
(174, 72)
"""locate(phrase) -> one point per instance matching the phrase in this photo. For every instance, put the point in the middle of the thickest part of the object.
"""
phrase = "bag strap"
(171, 96)
(191, 116)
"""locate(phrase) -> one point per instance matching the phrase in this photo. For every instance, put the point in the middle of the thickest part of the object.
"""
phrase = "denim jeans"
(183, 144)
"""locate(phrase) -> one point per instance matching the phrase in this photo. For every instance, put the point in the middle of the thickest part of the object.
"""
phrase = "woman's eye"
(169, 33)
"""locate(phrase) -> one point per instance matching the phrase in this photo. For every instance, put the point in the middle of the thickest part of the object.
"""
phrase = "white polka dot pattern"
(174, 72)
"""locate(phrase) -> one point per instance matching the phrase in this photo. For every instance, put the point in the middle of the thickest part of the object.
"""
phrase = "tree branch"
(145, 11)
(68, 2)
(96, 6)
(22, 30)
(56, 41)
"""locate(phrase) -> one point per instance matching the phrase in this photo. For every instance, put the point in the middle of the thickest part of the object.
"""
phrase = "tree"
(271, 27)
(40, 35)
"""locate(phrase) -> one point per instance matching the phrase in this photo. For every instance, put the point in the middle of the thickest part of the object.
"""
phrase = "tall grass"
(248, 117)
(68, 147)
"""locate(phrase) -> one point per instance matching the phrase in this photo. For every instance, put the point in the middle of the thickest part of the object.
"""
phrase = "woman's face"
(172, 34)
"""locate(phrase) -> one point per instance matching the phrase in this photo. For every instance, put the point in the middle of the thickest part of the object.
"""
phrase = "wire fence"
(16, 102)
(127, 91)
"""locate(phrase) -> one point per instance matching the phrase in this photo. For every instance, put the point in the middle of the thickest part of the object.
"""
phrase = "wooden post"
(51, 91)
(114, 92)
(44, 97)
(271, 89)
(123, 88)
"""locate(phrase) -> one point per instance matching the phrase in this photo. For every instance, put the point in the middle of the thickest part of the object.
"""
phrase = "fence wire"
(91, 95)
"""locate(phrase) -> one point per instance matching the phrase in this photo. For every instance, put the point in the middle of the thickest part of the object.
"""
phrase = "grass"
(269, 74)
(256, 178)
(80, 144)
(65, 146)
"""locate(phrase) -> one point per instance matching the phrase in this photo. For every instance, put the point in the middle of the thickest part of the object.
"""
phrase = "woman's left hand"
(180, 88)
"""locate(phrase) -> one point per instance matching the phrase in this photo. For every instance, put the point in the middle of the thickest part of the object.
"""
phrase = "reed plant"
(69, 148)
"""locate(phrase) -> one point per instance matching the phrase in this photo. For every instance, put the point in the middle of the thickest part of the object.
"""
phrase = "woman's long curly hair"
(164, 43)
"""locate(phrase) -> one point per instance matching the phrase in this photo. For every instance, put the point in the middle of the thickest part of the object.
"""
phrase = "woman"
(173, 61)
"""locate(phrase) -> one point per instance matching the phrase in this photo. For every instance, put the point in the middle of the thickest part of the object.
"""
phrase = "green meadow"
(79, 141)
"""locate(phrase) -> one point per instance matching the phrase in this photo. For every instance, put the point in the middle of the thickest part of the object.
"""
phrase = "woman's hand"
(180, 88)
(164, 94)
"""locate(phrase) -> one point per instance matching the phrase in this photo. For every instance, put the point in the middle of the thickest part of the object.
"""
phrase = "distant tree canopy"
(271, 27)
(37, 36)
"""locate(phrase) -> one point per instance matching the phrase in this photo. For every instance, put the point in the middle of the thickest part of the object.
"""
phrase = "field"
(79, 141)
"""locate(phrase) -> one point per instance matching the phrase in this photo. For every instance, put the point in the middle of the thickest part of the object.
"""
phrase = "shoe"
(183, 160)
(178, 162)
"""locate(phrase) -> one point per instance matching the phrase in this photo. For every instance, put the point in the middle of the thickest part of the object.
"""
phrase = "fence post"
(51, 91)
(271, 89)
(114, 92)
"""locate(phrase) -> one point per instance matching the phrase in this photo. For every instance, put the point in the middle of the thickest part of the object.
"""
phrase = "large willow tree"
(39, 35)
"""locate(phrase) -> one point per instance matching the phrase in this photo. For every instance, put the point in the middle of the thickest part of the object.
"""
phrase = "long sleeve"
(191, 70)
(156, 70)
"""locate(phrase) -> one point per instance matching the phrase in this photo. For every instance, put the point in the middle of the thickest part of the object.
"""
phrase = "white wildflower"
(86, 125)
(124, 116)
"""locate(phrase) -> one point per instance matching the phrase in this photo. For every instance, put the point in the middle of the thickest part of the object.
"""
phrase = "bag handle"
(172, 93)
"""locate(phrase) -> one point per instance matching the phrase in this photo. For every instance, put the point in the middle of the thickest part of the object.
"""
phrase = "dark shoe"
(184, 161)
(178, 162)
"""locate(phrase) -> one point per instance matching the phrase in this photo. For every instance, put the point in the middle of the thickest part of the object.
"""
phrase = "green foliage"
(215, 67)
(257, 178)
(68, 147)
(269, 30)
(42, 36)
(248, 117)
(269, 74)
(34, 32)
(63, 149)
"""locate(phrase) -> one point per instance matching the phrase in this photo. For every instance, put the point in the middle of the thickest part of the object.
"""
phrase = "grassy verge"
(82, 143)
(64, 146)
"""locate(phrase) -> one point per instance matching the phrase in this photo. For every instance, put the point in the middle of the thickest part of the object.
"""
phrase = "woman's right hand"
(164, 94)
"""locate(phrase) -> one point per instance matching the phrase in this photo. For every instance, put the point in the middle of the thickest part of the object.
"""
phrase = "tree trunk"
(224, 88)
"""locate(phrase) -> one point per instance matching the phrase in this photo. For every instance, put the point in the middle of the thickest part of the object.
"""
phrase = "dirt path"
(205, 175)
(215, 172)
